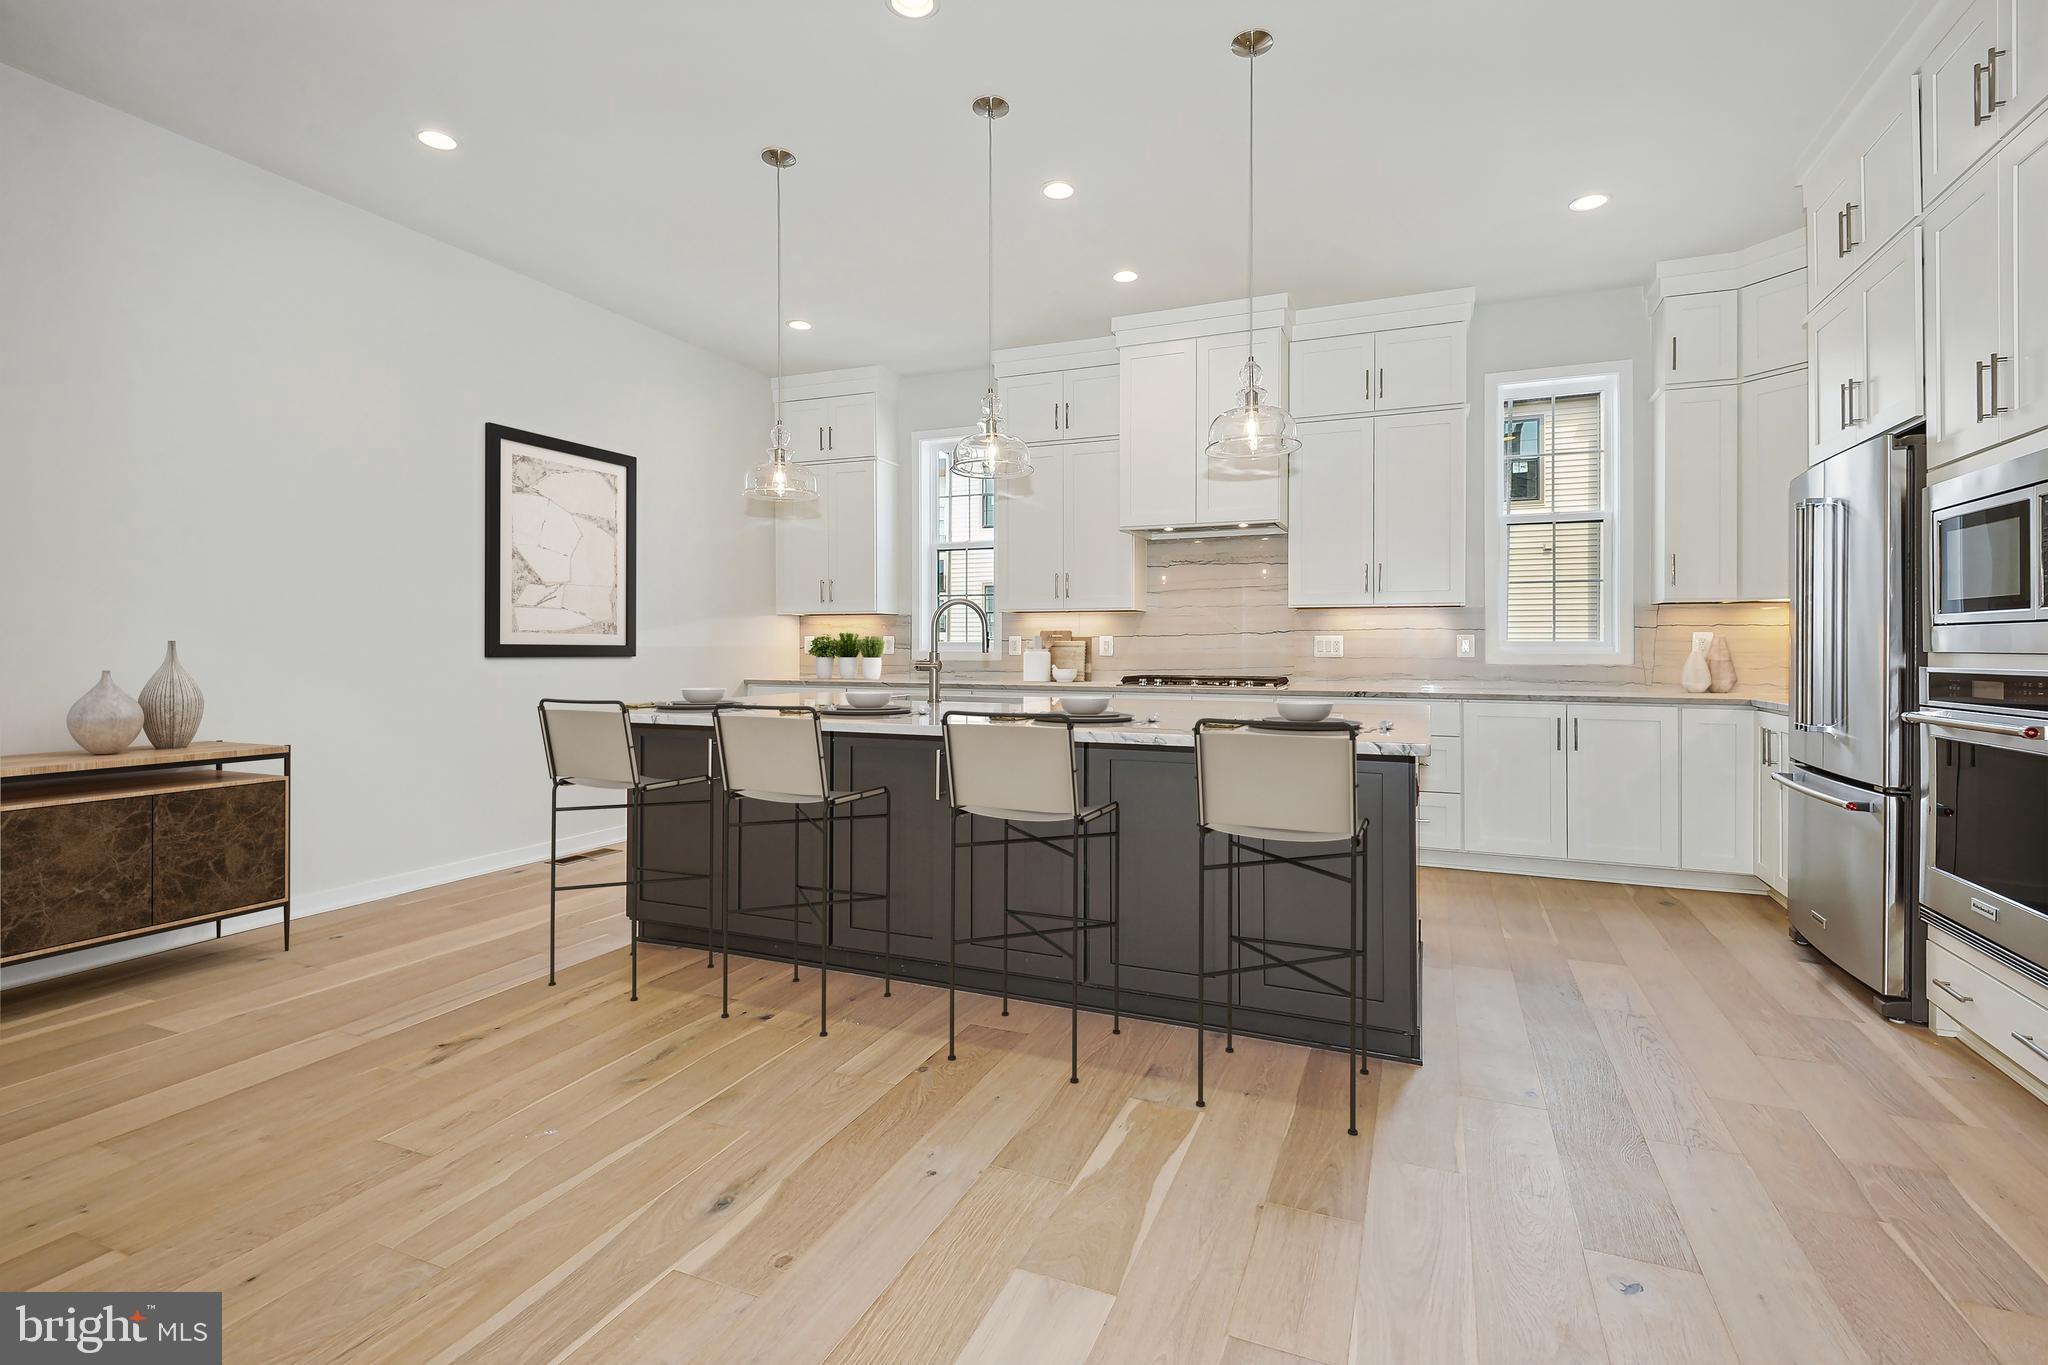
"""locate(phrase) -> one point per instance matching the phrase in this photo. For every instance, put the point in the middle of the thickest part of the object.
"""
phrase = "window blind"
(1555, 505)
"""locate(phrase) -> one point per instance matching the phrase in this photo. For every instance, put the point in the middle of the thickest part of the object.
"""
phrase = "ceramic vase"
(871, 668)
(822, 666)
(1720, 667)
(171, 703)
(104, 720)
(849, 668)
(1696, 676)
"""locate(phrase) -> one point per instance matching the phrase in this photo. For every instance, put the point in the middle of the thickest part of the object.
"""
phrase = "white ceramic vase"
(871, 668)
(171, 703)
(104, 720)
(1696, 676)
(822, 666)
(1720, 666)
(849, 668)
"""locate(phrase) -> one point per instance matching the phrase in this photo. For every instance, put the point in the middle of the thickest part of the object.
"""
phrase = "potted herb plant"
(871, 657)
(823, 648)
(847, 650)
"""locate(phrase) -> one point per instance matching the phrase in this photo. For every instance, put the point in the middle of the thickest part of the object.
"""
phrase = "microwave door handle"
(1982, 727)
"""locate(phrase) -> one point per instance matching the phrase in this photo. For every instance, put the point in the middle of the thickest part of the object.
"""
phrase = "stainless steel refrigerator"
(1850, 806)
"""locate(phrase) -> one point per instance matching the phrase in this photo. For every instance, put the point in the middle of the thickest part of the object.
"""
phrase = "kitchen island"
(1148, 768)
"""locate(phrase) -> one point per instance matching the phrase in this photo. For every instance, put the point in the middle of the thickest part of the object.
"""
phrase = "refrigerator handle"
(1837, 512)
(1802, 613)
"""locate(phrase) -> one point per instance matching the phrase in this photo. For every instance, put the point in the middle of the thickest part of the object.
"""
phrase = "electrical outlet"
(888, 644)
(1468, 644)
(1329, 646)
(1016, 644)
(807, 642)
(1105, 645)
(1703, 639)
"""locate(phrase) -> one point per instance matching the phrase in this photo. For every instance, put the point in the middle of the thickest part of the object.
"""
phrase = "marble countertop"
(1453, 689)
(1392, 729)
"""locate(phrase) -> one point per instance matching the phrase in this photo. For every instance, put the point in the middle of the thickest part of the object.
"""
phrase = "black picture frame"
(495, 646)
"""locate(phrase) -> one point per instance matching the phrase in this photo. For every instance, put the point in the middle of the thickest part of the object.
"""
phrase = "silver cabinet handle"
(1383, 383)
(831, 590)
(938, 759)
(1674, 569)
(1575, 734)
(1966, 999)
(1981, 367)
(1383, 576)
(1963, 723)
(821, 590)
(2031, 1045)
(1978, 115)
(1055, 582)
(1560, 734)
(1055, 416)
(1368, 386)
(829, 433)
(1841, 233)
(1067, 415)
(1674, 353)
(1066, 585)
(1851, 386)
(1821, 796)
(1996, 360)
(1849, 223)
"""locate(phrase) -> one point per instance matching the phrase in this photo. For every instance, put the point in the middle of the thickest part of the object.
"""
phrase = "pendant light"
(779, 479)
(991, 453)
(1255, 435)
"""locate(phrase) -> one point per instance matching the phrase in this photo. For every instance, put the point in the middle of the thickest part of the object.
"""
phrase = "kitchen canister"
(1037, 665)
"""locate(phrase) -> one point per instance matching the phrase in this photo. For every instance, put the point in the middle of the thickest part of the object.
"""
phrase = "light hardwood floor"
(1649, 1128)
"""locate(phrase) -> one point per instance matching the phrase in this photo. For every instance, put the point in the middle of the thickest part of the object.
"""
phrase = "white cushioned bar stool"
(590, 744)
(775, 756)
(1023, 773)
(1262, 783)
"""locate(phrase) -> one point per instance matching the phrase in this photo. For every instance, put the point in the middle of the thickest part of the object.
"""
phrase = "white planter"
(871, 669)
(823, 666)
(848, 668)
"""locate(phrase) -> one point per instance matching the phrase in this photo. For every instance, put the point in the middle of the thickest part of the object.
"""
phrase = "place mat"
(681, 705)
(836, 710)
(1106, 718)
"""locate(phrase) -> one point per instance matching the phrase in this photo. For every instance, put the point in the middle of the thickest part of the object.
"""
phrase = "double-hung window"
(960, 549)
(1558, 552)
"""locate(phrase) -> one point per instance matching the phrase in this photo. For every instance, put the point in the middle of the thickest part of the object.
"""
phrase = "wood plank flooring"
(1649, 1128)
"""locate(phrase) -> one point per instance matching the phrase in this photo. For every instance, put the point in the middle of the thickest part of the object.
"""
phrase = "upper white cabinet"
(2023, 256)
(840, 414)
(1771, 328)
(1515, 779)
(1157, 485)
(1770, 452)
(1865, 187)
(1061, 547)
(1388, 371)
(1717, 788)
(1333, 376)
(1623, 784)
(1377, 511)
(1045, 400)
(1863, 352)
(1695, 338)
(1697, 433)
(838, 554)
(1978, 81)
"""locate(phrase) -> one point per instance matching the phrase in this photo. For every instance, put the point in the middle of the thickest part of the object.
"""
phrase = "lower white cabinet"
(1624, 788)
(1717, 788)
(1773, 754)
(837, 554)
(1515, 779)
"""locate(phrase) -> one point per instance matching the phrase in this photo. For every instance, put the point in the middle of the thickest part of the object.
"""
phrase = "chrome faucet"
(933, 665)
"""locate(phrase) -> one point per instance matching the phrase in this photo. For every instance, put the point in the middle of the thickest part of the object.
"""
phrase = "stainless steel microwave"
(1989, 579)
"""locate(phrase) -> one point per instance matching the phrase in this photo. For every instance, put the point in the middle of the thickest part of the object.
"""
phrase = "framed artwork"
(558, 548)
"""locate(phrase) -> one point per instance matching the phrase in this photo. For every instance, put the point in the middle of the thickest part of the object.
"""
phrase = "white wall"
(239, 413)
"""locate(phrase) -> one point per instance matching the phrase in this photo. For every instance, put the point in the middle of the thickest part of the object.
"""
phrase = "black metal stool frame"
(1072, 845)
(813, 900)
(635, 805)
(1235, 861)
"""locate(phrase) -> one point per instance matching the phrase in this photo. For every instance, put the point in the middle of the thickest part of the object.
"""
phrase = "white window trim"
(930, 446)
(1615, 380)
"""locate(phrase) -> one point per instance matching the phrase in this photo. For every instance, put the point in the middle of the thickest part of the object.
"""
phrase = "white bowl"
(701, 695)
(1064, 674)
(1301, 708)
(1085, 704)
(869, 698)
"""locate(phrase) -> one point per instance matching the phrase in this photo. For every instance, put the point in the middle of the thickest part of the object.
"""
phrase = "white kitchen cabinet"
(1959, 118)
(1695, 338)
(1330, 516)
(1333, 376)
(1770, 453)
(1418, 508)
(1224, 497)
(1060, 405)
(1623, 785)
(1771, 332)
(1157, 396)
(805, 419)
(837, 554)
(1060, 548)
(1773, 754)
(1863, 350)
(1387, 371)
(1439, 820)
(838, 428)
(1866, 188)
(1697, 431)
(801, 556)
(2023, 251)
(1515, 779)
(1717, 788)
(1962, 284)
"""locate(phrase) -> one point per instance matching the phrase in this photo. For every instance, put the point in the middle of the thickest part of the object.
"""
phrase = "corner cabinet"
(1062, 547)
(1695, 338)
(1717, 793)
(1377, 511)
(837, 554)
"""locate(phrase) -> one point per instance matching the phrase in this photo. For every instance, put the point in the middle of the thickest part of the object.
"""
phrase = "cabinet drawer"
(1442, 769)
(1968, 988)
(1445, 718)
(1439, 821)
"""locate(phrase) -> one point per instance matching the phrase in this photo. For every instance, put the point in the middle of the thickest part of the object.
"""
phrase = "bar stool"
(590, 744)
(776, 755)
(1279, 782)
(1022, 771)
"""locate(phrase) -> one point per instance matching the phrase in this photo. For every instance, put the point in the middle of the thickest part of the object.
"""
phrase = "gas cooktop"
(1204, 680)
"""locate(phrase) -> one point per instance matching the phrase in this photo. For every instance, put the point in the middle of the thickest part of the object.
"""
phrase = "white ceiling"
(609, 147)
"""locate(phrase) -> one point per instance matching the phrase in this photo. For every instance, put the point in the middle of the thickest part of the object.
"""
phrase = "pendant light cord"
(778, 295)
(1251, 196)
(991, 249)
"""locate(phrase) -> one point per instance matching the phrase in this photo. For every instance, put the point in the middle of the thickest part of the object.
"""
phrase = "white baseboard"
(336, 898)
(1593, 872)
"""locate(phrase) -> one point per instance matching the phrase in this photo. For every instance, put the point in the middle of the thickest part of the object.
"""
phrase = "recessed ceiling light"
(1586, 203)
(438, 140)
(799, 325)
(1125, 276)
(913, 9)
(1058, 189)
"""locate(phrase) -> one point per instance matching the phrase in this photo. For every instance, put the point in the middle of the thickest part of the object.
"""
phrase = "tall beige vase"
(171, 703)
(104, 720)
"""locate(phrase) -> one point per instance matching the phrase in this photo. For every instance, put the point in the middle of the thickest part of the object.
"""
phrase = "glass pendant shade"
(991, 453)
(1255, 434)
(779, 478)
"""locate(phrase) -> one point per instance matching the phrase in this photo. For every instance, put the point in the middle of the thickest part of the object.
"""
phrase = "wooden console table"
(103, 847)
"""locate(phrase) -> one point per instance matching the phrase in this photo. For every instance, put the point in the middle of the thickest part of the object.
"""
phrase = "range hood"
(1223, 531)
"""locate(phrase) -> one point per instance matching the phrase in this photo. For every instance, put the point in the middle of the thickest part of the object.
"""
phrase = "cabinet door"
(1332, 376)
(1696, 338)
(76, 872)
(1957, 123)
(2023, 257)
(1696, 493)
(1101, 572)
(1031, 406)
(1515, 779)
(1031, 535)
(1773, 755)
(1827, 234)
(1330, 521)
(1624, 785)
(1419, 367)
(1891, 393)
(1772, 331)
(1962, 317)
(1089, 410)
(850, 427)
(1225, 496)
(800, 553)
(1891, 180)
(806, 418)
(1418, 502)
(1771, 453)
(2023, 70)
(853, 567)
(1717, 788)
(1161, 440)
(219, 850)
(1835, 356)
